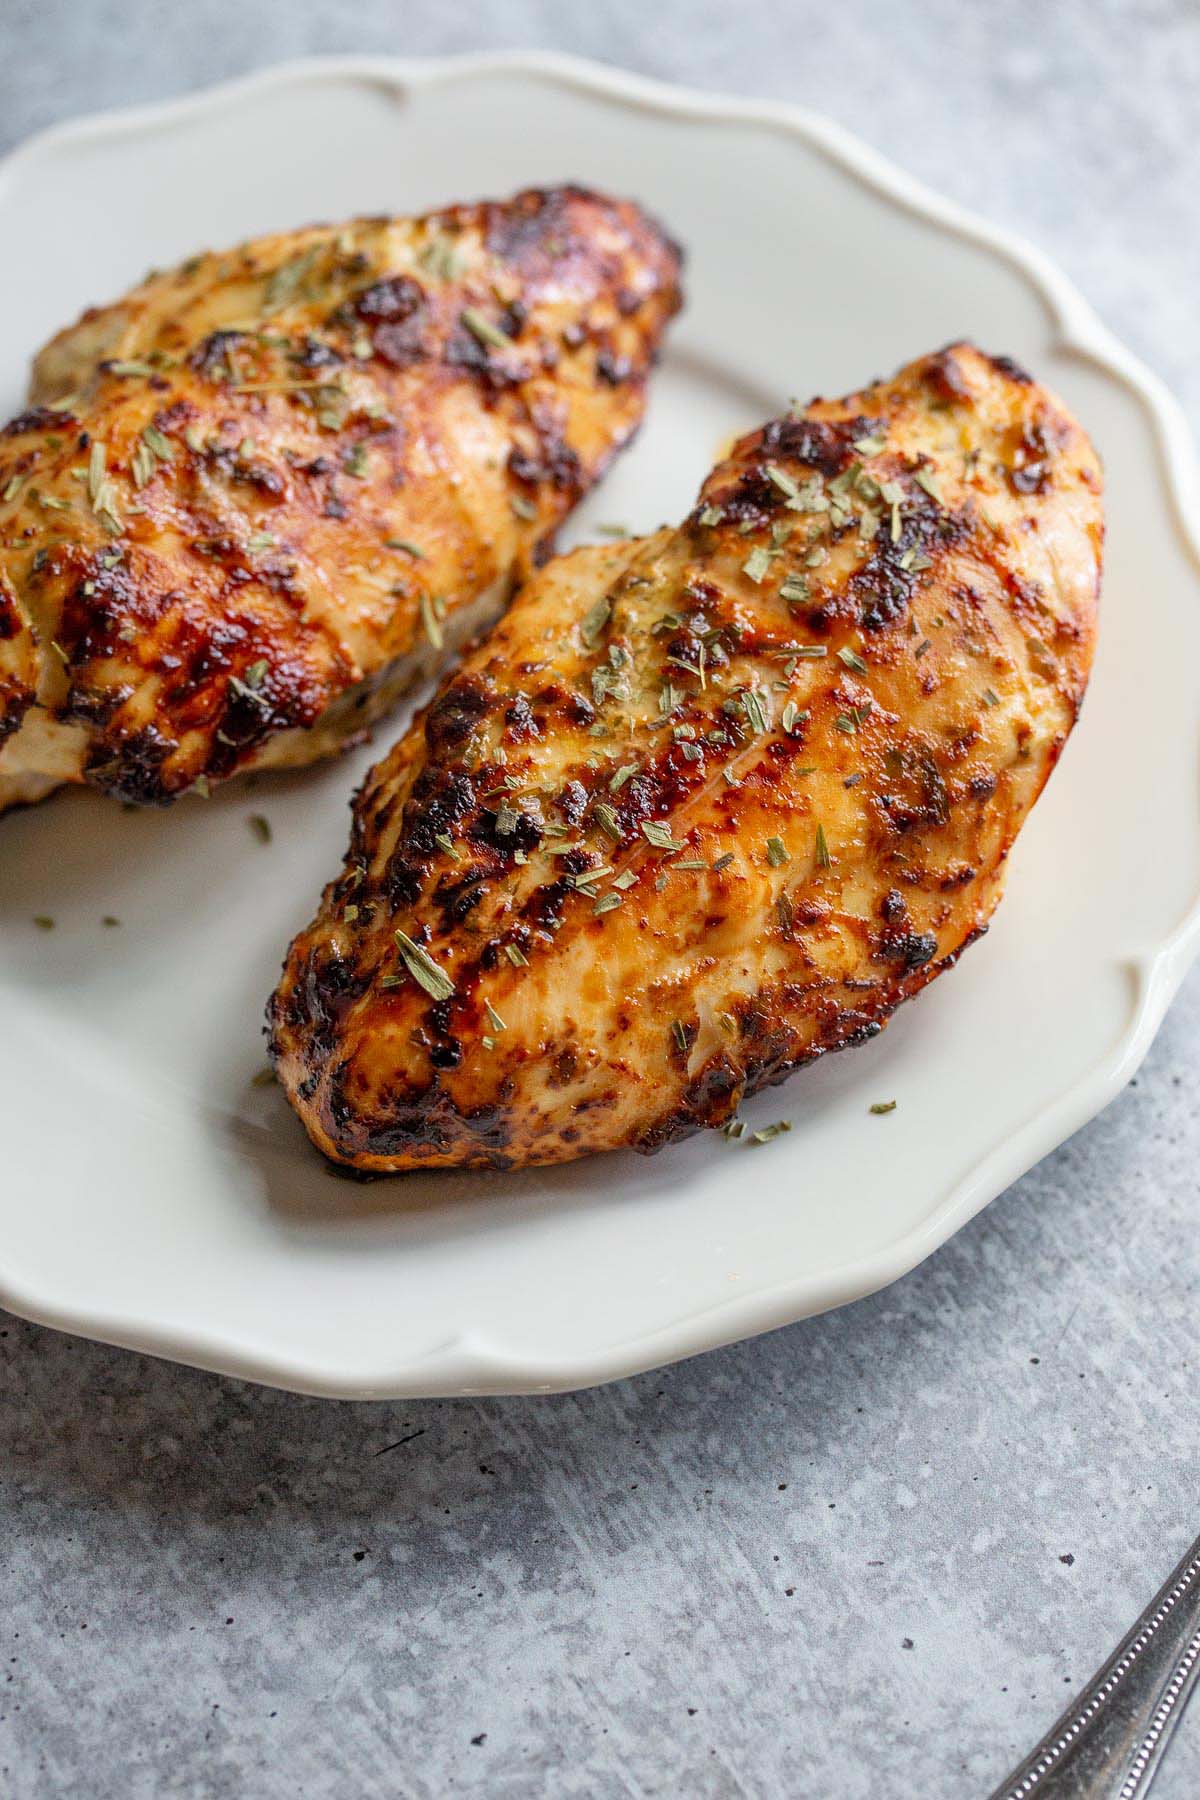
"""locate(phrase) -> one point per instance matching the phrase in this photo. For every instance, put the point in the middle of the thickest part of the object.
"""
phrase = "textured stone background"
(834, 1562)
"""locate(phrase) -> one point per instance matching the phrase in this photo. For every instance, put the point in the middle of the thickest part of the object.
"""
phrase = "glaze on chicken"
(708, 805)
(256, 498)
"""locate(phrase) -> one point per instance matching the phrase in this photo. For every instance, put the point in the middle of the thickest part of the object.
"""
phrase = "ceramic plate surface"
(153, 1196)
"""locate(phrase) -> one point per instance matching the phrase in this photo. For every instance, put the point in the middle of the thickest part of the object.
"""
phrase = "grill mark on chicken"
(15, 701)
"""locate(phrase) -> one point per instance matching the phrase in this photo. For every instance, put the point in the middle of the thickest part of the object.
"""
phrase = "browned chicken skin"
(708, 805)
(264, 492)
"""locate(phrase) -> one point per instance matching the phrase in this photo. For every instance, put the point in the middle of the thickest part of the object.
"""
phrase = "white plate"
(152, 1196)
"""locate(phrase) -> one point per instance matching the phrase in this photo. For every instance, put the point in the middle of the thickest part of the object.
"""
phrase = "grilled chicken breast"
(708, 805)
(257, 497)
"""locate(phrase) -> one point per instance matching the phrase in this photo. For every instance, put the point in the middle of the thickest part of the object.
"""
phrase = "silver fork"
(1111, 1740)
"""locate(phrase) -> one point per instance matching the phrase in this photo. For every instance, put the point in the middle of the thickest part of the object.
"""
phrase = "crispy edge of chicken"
(261, 495)
(711, 804)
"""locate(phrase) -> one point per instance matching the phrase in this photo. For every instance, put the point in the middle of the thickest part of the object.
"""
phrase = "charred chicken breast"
(254, 499)
(708, 805)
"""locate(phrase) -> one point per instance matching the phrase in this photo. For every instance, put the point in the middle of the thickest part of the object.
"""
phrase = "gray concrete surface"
(868, 1556)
